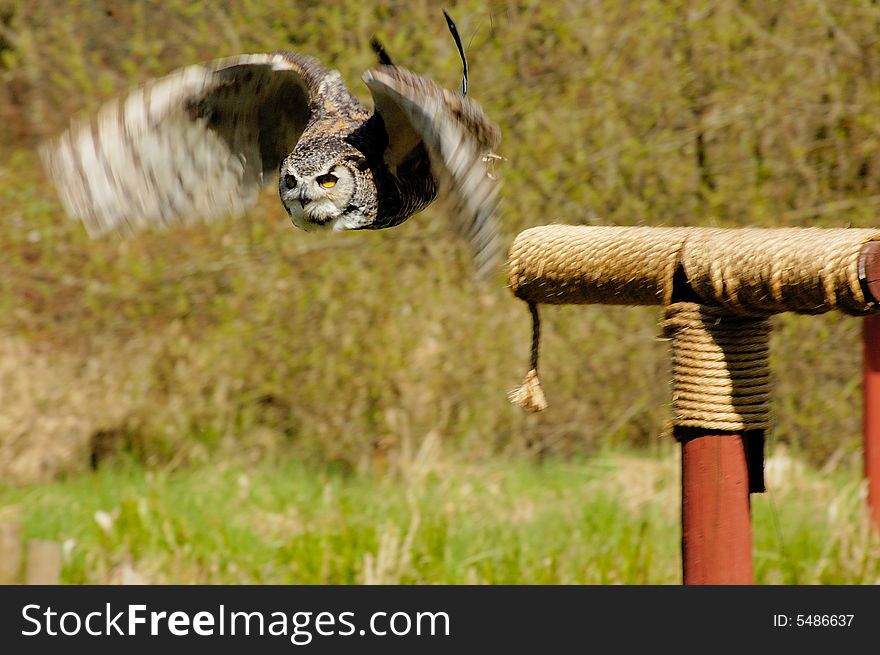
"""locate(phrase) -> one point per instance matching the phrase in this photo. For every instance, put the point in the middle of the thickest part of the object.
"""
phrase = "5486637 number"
(823, 620)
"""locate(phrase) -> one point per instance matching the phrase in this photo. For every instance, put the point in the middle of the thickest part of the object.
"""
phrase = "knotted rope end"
(529, 395)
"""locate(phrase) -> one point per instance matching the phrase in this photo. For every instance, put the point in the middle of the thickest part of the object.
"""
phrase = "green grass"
(610, 519)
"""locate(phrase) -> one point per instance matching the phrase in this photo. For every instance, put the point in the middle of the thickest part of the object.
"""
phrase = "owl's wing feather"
(458, 136)
(197, 143)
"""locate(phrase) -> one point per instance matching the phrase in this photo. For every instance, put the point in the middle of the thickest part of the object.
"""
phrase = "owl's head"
(335, 193)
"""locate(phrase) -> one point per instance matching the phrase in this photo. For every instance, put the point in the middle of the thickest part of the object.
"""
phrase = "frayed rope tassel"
(529, 394)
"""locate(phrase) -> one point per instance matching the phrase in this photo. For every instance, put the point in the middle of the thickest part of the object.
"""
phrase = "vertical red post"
(716, 526)
(871, 413)
(869, 276)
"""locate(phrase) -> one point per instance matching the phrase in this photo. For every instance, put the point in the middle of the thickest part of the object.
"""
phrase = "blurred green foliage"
(351, 348)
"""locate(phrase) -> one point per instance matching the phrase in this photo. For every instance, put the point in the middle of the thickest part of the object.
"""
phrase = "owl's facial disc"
(321, 201)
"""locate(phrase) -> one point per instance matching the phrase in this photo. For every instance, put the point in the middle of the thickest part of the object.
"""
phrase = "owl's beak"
(303, 199)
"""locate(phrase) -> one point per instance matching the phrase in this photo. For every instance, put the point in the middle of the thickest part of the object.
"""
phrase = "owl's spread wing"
(457, 135)
(197, 143)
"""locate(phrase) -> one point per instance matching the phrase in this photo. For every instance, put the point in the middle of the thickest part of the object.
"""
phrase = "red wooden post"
(869, 269)
(871, 413)
(716, 535)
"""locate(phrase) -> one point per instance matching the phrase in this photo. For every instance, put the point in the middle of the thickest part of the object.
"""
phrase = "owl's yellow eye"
(327, 181)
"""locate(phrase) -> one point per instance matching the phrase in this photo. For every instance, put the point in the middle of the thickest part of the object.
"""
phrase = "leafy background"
(250, 340)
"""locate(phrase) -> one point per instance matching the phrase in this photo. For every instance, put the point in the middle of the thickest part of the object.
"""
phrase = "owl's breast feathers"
(341, 123)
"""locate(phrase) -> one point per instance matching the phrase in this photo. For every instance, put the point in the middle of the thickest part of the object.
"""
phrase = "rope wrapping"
(751, 271)
(572, 264)
(720, 368)
(761, 271)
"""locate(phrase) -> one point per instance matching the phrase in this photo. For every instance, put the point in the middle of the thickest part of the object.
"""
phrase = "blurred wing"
(198, 143)
(458, 136)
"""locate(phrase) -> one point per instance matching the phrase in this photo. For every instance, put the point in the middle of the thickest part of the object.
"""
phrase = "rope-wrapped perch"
(744, 271)
(748, 270)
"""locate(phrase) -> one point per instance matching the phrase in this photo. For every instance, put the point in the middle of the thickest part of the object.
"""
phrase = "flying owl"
(200, 143)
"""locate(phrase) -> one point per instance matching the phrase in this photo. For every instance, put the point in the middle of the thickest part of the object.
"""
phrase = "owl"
(202, 141)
